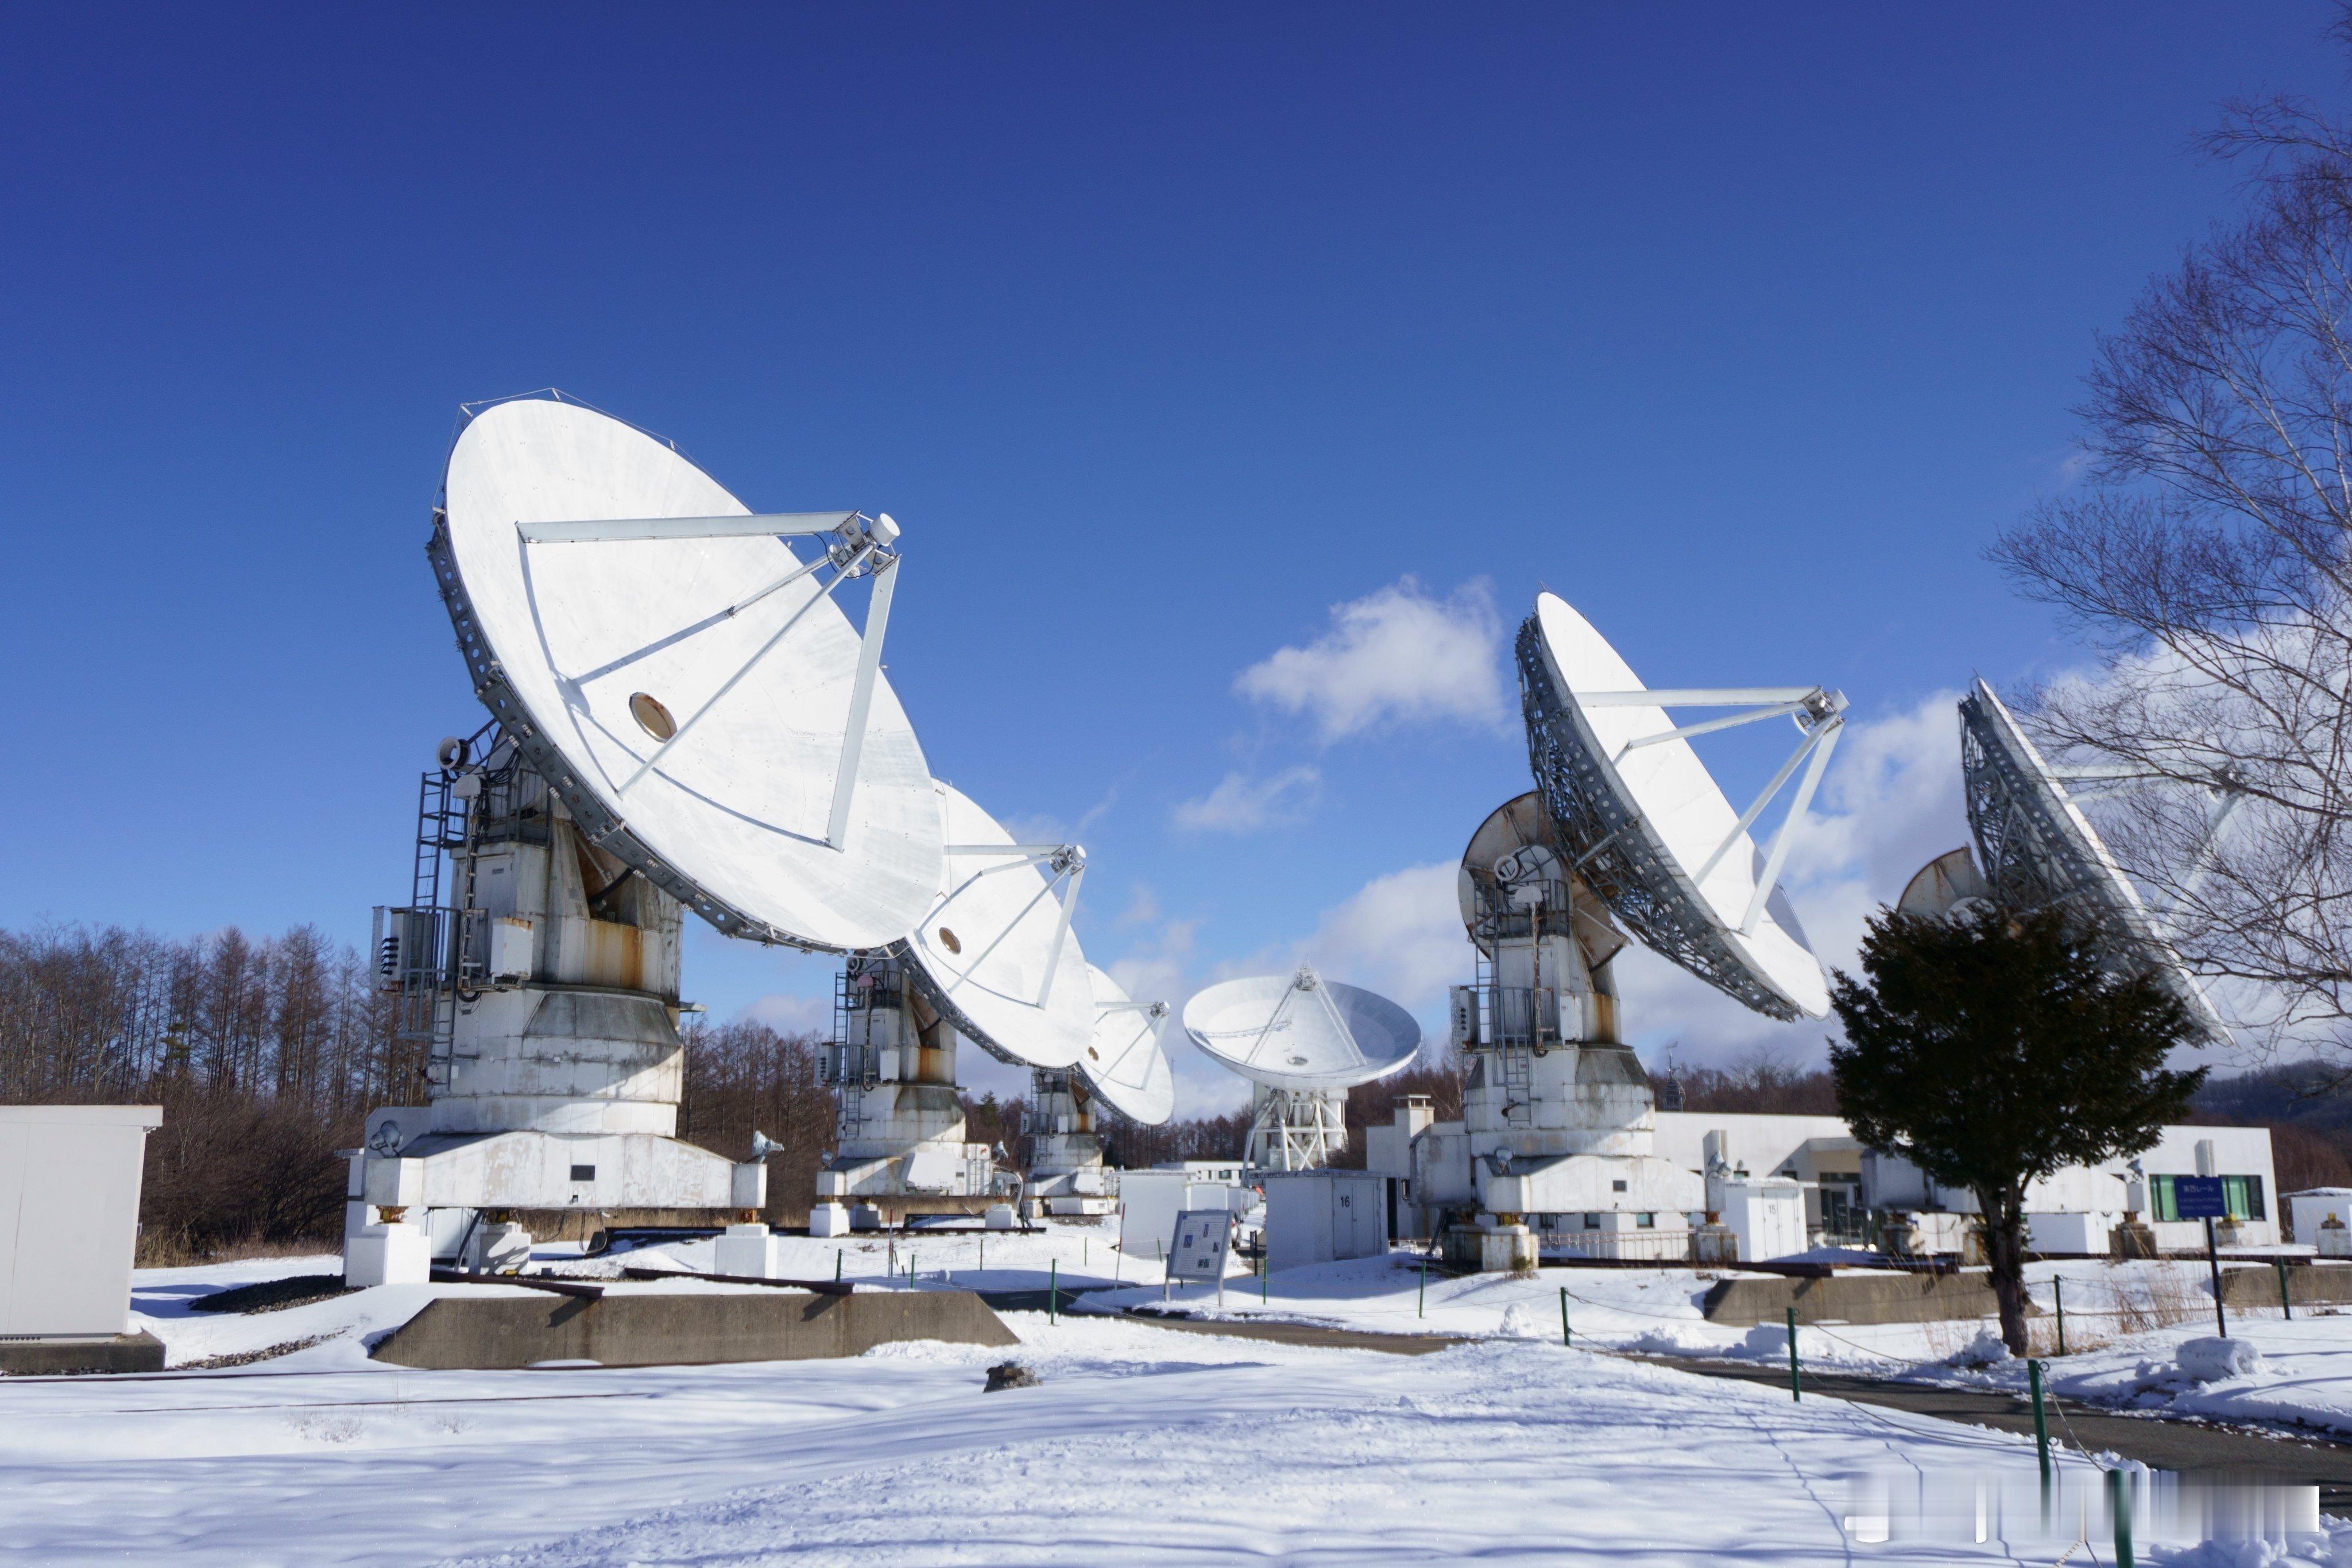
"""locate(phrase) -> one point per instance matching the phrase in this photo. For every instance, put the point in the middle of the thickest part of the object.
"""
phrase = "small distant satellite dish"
(684, 681)
(994, 953)
(763, 1145)
(1643, 824)
(2038, 850)
(1513, 859)
(386, 1139)
(1948, 885)
(1125, 1065)
(1301, 1032)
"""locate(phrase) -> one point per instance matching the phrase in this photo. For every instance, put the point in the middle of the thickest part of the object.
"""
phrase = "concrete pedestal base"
(1506, 1249)
(500, 1247)
(387, 1255)
(828, 1220)
(999, 1216)
(748, 1251)
(865, 1217)
(52, 1357)
(1715, 1245)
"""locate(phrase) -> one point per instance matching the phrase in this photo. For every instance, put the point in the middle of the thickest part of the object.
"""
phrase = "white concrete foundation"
(396, 1254)
(828, 1220)
(749, 1251)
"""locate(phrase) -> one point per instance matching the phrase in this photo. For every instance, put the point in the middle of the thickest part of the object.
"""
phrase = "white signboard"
(1201, 1235)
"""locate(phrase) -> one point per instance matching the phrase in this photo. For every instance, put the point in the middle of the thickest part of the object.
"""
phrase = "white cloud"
(1396, 656)
(793, 1015)
(1241, 804)
(1400, 935)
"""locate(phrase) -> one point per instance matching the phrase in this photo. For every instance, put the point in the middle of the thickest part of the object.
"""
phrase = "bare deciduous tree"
(2209, 556)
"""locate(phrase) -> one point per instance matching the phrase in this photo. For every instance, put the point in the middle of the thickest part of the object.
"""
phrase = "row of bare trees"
(2209, 559)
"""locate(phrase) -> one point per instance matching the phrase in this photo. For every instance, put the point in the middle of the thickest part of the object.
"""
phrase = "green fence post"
(2120, 1489)
(1794, 1392)
(1053, 1293)
(837, 1267)
(984, 1252)
(1563, 1316)
(2058, 1288)
(2041, 1422)
(1263, 1271)
(1421, 1300)
(2286, 1306)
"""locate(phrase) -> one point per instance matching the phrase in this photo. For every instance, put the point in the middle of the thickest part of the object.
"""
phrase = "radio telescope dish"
(1514, 861)
(994, 952)
(1125, 1066)
(682, 679)
(1301, 1032)
(1643, 824)
(1949, 885)
(2038, 849)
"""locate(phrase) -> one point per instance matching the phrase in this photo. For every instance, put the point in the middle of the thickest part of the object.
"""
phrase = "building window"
(1592, 1221)
(1645, 1222)
(1616, 1186)
(2159, 1199)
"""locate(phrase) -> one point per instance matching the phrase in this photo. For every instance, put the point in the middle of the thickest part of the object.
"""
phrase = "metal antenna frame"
(858, 539)
(1064, 860)
(1825, 708)
(2031, 855)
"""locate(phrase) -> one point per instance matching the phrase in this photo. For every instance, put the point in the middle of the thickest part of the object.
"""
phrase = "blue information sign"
(2200, 1198)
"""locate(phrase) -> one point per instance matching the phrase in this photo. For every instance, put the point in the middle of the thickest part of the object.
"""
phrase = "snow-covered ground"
(1137, 1444)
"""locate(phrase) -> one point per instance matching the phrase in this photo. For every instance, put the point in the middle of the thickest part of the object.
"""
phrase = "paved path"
(2158, 1441)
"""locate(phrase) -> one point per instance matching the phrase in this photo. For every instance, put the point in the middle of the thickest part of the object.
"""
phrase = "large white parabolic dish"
(2037, 848)
(563, 638)
(1301, 1032)
(1125, 1066)
(993, 933)
(1638, 823)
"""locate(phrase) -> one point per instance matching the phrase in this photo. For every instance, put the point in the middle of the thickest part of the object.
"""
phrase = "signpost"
(1201, 1237)
(2203, 1197)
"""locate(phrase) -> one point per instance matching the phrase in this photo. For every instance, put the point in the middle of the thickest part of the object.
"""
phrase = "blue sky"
(1174, 337)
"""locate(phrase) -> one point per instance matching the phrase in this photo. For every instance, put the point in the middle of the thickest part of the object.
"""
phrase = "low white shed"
(1324, 1217)
(69, 1217)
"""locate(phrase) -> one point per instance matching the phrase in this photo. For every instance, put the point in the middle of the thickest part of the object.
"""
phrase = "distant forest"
(265, 1052)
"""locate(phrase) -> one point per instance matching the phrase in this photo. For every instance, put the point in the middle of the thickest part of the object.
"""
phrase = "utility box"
(1324, 1217)
(1765, 1214)
(69, 1217)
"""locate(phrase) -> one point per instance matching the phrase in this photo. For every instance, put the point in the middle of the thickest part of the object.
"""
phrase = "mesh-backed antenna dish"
(1125, 1065)
(1301, 1032)
(1645, 825)
(994, 952)
(2038, 849)
(1514, 862)
(1949, 882)
(589, 646)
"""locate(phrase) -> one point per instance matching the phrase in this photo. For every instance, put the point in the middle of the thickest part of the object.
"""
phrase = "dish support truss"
(861, 546)
(1606, 842)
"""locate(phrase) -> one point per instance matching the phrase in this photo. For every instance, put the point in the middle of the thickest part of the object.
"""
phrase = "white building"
(1753, 1157)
